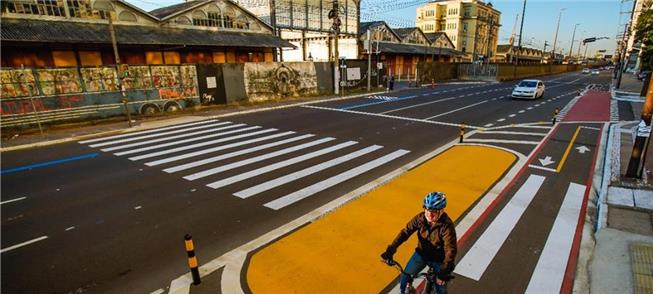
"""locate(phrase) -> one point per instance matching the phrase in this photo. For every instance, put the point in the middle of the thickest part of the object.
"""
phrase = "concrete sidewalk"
(622, 258)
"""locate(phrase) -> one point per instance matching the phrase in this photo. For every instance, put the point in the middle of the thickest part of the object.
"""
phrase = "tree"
(644, 32)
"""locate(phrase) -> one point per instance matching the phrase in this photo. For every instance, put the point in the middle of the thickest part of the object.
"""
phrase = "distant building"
(472, 25)
(306, 24)
(401, 49)
(507, 53)
(77, 33)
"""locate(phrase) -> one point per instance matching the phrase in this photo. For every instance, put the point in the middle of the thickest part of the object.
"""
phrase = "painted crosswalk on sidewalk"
(213, 151)
(382, 97)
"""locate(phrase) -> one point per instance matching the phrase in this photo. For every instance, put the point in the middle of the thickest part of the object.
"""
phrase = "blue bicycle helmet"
(435, 200)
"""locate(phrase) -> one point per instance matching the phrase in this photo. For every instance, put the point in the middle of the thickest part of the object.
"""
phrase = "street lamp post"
(555, 39)
(572, 41)
(521, 28)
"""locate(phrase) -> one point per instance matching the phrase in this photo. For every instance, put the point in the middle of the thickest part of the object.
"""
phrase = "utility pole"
(572, 41)
(333, 14)
(121, 72)
(544, 50)
(555, 39)
(489, 39)
(521, 28)
(369, 61)
(512, 36)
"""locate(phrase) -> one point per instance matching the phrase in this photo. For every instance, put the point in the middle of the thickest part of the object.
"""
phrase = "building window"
(465, 27)
(83, 9)
(214, 19)
(41, 7)
(467, 12)
(229, 17)
(453, 11)
(430, 13)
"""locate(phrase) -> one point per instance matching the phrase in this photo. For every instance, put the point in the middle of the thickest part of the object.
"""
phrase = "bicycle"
(430, 277)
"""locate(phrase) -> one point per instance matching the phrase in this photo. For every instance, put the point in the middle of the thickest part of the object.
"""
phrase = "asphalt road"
(104, 222)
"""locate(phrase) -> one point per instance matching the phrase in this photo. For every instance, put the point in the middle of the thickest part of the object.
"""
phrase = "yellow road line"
(564, 157)
(339, 253)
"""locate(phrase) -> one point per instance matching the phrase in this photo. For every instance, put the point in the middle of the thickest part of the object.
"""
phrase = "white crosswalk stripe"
(156, 134)
(233, 154)
(227, 167)
(175, 137)
(381, 97)
(303, 173)
(146, 132)
(192, 146)
(332, 181)
(210, 148)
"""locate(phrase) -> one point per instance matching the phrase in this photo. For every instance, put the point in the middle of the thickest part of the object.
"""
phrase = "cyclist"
(436, 246)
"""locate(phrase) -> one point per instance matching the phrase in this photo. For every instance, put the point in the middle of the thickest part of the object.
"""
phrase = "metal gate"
(478, 71)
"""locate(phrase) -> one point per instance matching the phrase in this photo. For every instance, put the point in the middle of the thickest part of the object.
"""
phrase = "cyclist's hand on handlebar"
(387, 257)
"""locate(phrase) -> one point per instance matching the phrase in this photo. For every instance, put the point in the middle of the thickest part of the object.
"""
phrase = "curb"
(141, 128)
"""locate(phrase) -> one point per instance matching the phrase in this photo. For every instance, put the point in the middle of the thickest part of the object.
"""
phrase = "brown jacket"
(436, 242)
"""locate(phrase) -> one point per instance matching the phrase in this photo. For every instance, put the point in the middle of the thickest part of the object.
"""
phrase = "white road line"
(522, 111)
(542, 168)
(488, 125)
(533, 127)
(70, 228)
(501, 141)
(303, 173)
(154, 135)
(590, 128)
(159, 146)
(390, 116)
(13, 200)
(456, 110)
(530, 108)
(417, 105)
(550, 270)
(513, 133)
(168, 151)
(166, 138)
(479, 257)
(23, 244)
(332, 181)
(138, 207)
(293, 160)
(512, 115)
(234, 154)
(501, 119)
(217, 148)
(146, 132)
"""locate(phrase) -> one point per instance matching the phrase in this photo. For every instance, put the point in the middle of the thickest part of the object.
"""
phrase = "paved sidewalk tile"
(620, 196)
(643, 199)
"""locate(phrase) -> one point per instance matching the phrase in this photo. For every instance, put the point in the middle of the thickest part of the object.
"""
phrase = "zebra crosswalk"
(224, 153)
(382, 97)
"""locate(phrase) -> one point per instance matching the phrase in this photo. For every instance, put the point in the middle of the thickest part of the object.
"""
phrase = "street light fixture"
(555, 39)
(571, 48)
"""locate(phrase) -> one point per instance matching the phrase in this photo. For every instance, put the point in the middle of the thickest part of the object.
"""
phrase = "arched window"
(214, 16)
(127, 16)
(183, 20)
(199, 18)
(242, 22)
(229, 17)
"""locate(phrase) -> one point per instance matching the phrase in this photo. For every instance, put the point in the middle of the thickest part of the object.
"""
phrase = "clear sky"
(597, 18)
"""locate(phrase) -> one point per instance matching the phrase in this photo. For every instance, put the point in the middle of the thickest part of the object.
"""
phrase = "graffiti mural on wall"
(98, 79)
(17, 83)
(46, 94)
(270, 80)
(175, 82)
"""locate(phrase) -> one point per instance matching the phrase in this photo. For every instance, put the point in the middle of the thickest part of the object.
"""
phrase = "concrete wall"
(324, 74)
(437, 71)
(511, 72)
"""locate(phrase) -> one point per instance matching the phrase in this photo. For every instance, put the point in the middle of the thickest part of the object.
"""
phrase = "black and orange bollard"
(192, 259)
(462, 131)
(555, 116)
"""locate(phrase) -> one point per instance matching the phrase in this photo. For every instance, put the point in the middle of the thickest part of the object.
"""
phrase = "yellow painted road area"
(339, 253)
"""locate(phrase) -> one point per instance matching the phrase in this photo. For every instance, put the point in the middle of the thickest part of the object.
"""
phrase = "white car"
(528, 89)
(595, 72)
(586, 70)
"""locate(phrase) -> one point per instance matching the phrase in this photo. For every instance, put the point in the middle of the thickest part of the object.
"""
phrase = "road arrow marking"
(582, 149)
(546, 161)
